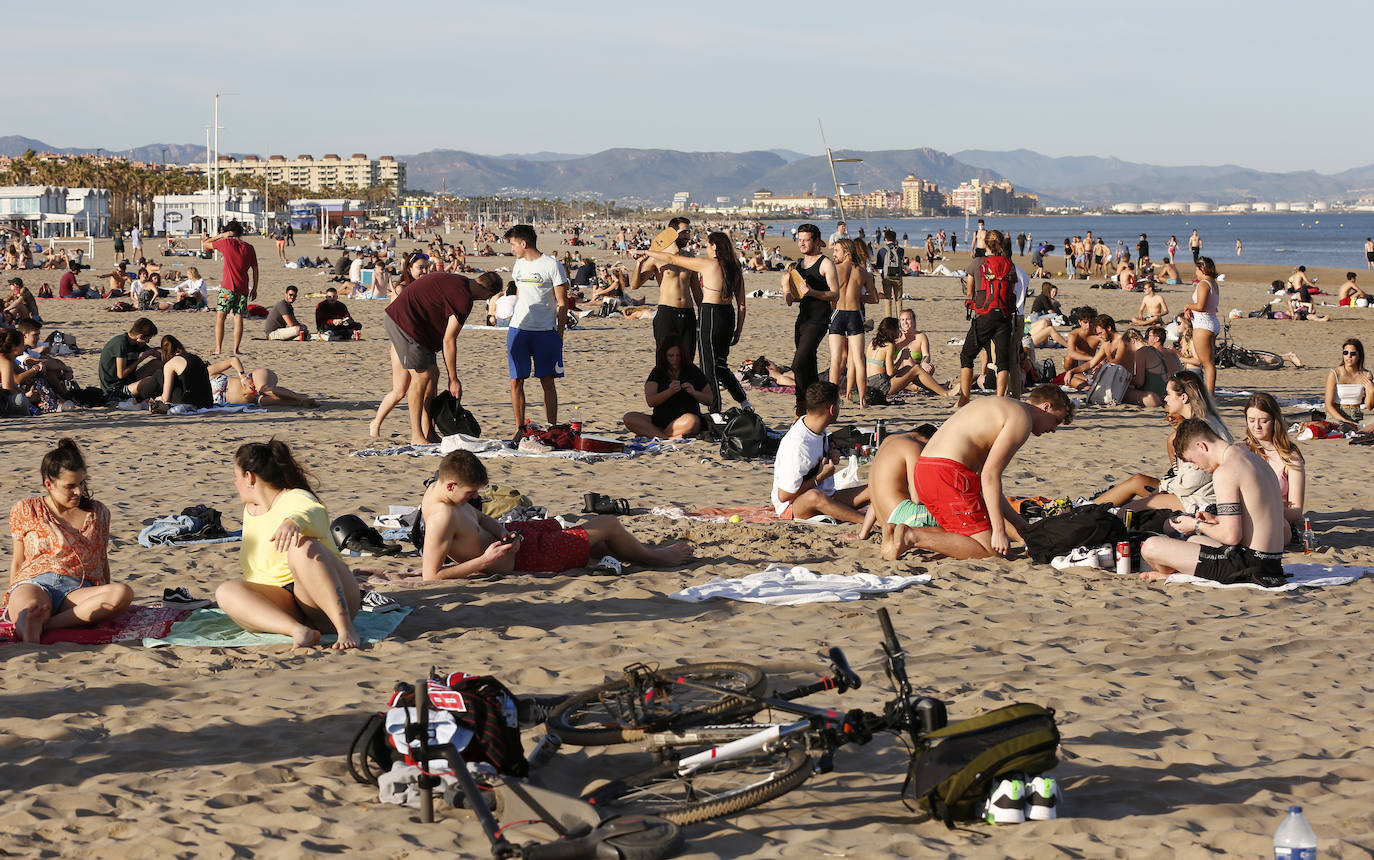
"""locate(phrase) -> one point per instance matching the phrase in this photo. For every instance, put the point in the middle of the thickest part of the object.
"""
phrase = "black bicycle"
(712, 758)
(1230, 354)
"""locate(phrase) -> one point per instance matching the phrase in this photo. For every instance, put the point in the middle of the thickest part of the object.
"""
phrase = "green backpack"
(956, 766)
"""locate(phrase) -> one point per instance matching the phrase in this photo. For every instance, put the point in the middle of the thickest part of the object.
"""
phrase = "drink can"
(576, 427)
(1123, 558)
(545, 750)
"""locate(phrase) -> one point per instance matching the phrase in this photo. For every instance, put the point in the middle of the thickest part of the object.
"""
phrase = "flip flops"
(596, 503)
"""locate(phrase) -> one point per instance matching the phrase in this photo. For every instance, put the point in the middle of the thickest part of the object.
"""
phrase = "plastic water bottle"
(1294, 840)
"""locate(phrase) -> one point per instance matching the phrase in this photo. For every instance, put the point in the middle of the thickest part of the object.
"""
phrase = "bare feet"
(420, 441)
(347, 640)
(1154, 574)
(672, 554)
(29, 625)
(305, 637)
(374, 429)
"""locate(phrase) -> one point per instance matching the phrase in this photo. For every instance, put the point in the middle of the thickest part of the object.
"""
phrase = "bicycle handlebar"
(846, 677)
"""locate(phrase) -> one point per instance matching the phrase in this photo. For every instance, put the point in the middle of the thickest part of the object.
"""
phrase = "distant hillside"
(881, 169)
(177, 153)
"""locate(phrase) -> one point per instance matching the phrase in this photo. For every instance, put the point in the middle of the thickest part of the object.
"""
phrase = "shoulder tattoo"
(1229, 509)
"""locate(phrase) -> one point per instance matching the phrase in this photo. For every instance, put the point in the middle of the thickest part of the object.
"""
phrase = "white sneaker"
(1007, 803)
(1044, 798)
(1080, 557)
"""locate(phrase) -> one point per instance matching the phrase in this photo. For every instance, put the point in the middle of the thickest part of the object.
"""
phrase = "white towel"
(780, 585)
(1300, 574)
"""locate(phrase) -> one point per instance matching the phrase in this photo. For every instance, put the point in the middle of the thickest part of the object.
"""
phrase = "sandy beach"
(1191, 718)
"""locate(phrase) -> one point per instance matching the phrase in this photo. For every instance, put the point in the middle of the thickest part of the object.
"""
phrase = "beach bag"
(1086, 525)
(997, 288)
(956, 765)
(479, 703)
(743, 437)
(892, 263)
(1109, 385)
(451, 418)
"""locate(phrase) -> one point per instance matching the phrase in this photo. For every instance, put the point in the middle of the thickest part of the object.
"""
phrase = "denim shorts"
(57, 585)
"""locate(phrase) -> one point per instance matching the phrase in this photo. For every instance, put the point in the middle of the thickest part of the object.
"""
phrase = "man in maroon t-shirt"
(424, 319)
(235, 291)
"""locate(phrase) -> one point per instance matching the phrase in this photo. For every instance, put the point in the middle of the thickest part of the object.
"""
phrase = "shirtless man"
(461, 542)
(1167, 272)
(1125, 275)
(1082, 347)
(1243, 541)
(980, 241)
(959, 474)
(1195, 245)
(1153, 309)
(1112, 348)
(1369, 252)
(679, 292)
(892, 489)
(1298, 280)
(1349, 292)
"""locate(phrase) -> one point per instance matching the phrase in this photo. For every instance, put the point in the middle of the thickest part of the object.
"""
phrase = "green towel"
(211, 628)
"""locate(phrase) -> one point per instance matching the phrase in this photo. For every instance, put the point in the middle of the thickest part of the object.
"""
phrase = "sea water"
(1328, 239)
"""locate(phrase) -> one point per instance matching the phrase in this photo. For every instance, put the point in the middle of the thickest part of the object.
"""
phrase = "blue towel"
(211, 628)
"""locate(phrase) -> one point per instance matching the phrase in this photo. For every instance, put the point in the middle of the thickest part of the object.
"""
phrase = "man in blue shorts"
(535, 337)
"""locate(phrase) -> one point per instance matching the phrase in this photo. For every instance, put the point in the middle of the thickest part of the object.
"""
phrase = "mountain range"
(652, 176)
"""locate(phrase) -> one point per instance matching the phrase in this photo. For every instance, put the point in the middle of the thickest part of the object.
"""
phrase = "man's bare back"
(970, 433)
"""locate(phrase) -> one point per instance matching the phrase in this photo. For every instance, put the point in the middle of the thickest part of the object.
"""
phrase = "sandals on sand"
(596, 503)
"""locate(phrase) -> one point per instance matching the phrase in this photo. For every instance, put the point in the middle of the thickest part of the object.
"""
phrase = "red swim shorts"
(953, 494)
(547, 546)
(1345, 302)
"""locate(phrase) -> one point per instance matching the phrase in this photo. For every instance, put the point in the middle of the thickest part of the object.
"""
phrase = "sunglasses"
(1349, 352)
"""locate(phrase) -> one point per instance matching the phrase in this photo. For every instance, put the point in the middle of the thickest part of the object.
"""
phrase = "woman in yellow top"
(294, 581)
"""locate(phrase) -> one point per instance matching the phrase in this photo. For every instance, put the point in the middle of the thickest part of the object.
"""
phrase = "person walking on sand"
(423, 320)
(236, 290)
(535, 336)
(816, 297)
(679, 291)
(1195, 245)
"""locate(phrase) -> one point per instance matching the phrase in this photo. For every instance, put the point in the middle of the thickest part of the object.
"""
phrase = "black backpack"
(745, 436)
(956, 765)
(1087, 525)
(450, 417)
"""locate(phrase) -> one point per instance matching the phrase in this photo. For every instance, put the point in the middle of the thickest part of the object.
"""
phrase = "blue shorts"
(57, 585)
(847, 323)
(543, 349)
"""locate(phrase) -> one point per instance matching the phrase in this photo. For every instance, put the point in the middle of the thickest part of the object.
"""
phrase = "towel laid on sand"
(780, 585)
(746, 513)
(487, 448)
(138, 623)
(1300, 575)
(211, 628)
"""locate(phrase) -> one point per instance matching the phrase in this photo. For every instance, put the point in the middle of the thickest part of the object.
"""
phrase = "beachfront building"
(183, 214)
(90, 210)
(323, 214)
(921, 196)
(765, 201)
(975, 198)
(682, 200)
(40, 208)
(331, 171)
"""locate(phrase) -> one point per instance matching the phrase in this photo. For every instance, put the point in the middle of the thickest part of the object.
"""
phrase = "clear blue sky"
(1172, 82)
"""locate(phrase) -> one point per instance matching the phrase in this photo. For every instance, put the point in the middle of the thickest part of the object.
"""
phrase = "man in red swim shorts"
(959, 474)
(461, 542)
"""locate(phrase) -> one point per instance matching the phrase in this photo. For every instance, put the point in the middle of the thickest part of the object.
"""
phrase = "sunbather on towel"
(461, 542)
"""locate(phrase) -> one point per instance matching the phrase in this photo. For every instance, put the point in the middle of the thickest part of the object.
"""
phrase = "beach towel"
(437, 450)
(1300, 575)
(211, 628)
(136, 624)
(780, 585)
(746, 514)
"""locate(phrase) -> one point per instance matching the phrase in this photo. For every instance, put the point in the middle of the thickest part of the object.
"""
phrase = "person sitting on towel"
(804, 469)
(461, 542)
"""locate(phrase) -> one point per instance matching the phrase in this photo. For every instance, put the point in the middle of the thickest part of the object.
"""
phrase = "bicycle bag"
(956, 766)
(479, 703)
(1109, 385)
(996, 290)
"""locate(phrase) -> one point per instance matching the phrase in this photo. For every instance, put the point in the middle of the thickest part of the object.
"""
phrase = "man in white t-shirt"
(841, 232)
(804, 469)
(535, 338)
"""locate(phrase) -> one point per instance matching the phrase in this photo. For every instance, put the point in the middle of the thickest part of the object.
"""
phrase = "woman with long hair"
(187, 379)
(1266, 436)
(1184, 487)
(1349, 387)
(294, 583)
(415, 265)
(883, 372)
(675, 391)
(722, 287)
(1202, 310)
(59, 568)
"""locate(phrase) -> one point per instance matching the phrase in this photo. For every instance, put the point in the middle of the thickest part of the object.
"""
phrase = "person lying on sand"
(1243, 541)
(461, 542)
(959, 474)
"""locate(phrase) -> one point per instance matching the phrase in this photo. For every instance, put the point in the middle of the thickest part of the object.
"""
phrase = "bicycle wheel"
(720, 788)
(609, 715)
(1258, 359)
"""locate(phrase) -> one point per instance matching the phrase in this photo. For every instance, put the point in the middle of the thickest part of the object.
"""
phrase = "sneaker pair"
(180, 598)
(1101, 558)
(1014, 800)
(375, 601)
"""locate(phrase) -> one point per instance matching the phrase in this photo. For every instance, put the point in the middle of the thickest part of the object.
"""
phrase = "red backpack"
(998, 290)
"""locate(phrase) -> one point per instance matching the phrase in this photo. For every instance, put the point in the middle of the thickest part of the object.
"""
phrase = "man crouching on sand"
(959, 474)
(1243, 541)
(478, 545)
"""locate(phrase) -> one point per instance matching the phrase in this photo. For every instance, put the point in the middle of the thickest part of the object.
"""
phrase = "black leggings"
(717, 329)
(807, 335)
(678, 323)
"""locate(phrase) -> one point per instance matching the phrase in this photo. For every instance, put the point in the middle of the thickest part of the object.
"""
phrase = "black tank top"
(812, 309)
(192, 385)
